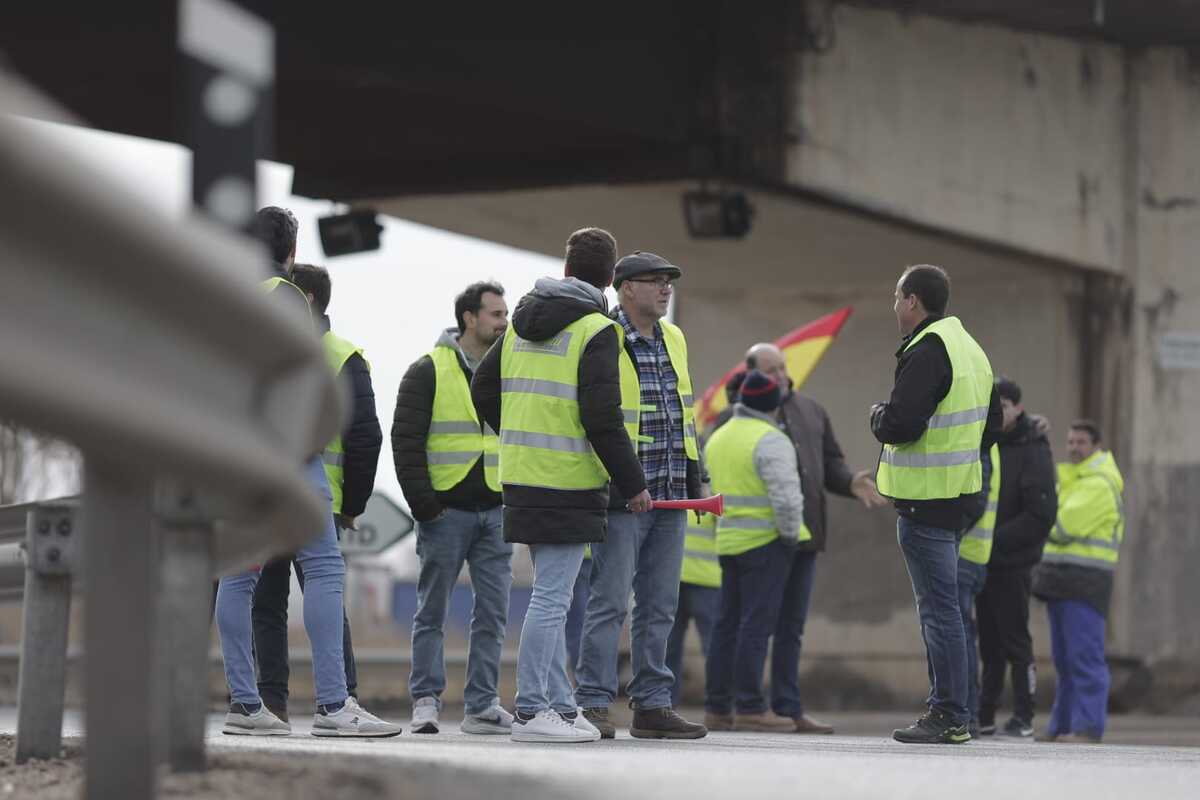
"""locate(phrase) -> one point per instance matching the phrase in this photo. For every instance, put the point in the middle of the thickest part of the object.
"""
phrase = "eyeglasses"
(662, 282)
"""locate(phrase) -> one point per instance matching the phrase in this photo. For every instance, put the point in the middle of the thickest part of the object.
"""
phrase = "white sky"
(392, 302)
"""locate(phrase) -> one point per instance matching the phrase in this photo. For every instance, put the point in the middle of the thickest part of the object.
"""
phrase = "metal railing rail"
(193, 398)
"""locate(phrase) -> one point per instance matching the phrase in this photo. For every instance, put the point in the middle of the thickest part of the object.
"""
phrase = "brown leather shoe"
(663, 723)
(806, 724)
(767, 722)
(718, 722)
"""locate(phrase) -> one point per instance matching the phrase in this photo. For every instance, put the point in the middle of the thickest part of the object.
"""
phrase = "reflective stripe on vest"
(944, 462)
(456, 439)
(976, 546)
(1091, 519)
(749, 520)
(700, 564)
(542, 440)
(337, 353)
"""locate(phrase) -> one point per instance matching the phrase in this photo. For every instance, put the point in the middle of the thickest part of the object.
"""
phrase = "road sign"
(380, 526)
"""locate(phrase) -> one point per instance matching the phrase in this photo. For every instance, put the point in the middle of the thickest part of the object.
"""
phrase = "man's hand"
(345, 522)
(1041, 425)
(641, 503)
(863, 487)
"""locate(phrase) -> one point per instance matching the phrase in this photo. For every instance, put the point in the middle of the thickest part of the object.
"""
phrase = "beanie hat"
(760, 392)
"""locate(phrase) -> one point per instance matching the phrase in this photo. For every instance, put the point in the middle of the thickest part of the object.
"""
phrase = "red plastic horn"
(709, 505)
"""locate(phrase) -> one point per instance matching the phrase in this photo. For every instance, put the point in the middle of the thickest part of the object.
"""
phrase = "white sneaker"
(583, 724)
(495, 721)
(352, 721)
(549, 727)
(240, 722)
(425, 716)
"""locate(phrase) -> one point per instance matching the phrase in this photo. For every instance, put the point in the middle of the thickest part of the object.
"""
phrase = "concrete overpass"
(1044, 153)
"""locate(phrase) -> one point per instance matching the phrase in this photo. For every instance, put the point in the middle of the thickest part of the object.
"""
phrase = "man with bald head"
(822, 468)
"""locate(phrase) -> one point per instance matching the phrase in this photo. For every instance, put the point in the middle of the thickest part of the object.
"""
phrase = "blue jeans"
(324, 581)
(443, 544)
(542, 681)
(642, 553)
(931, 555)
(751, 592)
(971, 577)
(1077, 647)
(789, 635)
(699, 603)
(579, 599)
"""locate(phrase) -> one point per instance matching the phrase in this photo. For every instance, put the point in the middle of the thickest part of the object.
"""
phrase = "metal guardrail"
(193, 398)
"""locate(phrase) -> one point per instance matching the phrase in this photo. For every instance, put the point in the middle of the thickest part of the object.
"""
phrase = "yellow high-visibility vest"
(944, 462)
(749, 520)
(337, 353)
(457, 439)
(1091, 516)
(701, 566)
(542, 440)
(976, 546)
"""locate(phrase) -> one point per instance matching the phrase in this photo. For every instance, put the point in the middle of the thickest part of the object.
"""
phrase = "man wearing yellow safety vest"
(1075, 579)
(642, 553)
(338, 713)
(447, 461)
(350, 461)
(753, 464)
(973, 553)
(552, 388)
(699, 595)
(932, 429)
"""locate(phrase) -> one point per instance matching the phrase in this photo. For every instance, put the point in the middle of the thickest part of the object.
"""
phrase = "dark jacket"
(535, 515)
(1073, 582)
(363, 438)
(696, 474)
(1028, 500)
(410, 429)
(923, 378)
(822, 465)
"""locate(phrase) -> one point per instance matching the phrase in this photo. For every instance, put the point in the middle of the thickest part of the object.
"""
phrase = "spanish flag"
(803, 349)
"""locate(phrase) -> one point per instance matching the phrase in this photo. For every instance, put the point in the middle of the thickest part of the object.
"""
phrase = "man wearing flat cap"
(643, 553)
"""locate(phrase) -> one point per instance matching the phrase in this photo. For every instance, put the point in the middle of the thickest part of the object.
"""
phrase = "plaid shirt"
(664, 460)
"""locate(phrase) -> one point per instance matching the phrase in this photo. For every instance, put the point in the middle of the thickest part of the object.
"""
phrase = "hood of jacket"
(1101, 463)
(554, 304)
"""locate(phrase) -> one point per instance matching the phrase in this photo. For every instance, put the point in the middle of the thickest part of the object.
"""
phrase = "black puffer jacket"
(558, 516)
(410, 429)
(1028, 499)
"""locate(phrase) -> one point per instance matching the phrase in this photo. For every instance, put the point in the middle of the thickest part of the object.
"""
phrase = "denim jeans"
(579, 599)
(443, 545)
(1077, 647)
(270, 618)
(789, 636)
(931, 555)
(542, 680)
(971, 577)
(699, 603)
(324, 581)
(642, 553)
(751, 592)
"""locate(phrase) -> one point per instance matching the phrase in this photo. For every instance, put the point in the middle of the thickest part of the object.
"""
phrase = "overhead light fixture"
(355, 232)
(719, 214)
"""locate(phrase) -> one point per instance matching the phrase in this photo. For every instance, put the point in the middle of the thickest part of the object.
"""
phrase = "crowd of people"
(561, 428)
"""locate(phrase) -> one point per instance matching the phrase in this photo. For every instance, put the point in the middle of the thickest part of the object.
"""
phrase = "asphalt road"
(734, 765)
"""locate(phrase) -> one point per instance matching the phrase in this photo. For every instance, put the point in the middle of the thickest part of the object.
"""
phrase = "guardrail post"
(185, 622)
(121, 584)
(51, 557)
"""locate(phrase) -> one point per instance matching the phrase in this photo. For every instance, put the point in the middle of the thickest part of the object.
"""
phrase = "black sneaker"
(664, 723)
(933, 727)
(599, 717)
(1018, 729)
